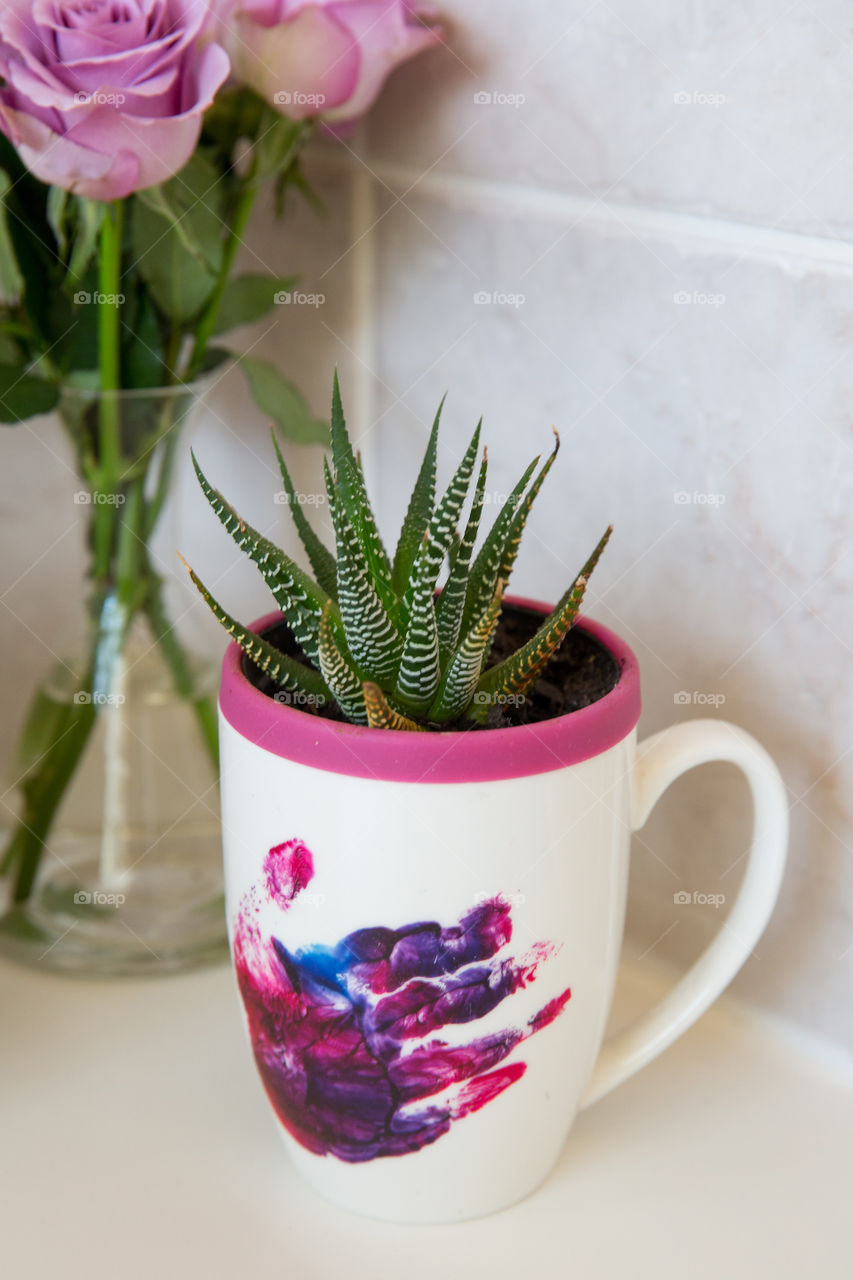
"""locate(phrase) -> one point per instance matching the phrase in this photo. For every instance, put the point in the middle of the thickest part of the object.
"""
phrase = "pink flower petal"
(303, 67)
(58, 159)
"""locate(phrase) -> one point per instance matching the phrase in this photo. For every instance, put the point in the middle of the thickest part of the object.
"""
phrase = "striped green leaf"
(420, 668)
(298, 597)
(486, 568)
(381, 715)
(352, 494)
(440, 532)
(339, 673)
(320, 557)
(519, 520)
(451, 603)
(518, 673)
(459, 683)
(374, 642)
(291, 676)
(418, 514)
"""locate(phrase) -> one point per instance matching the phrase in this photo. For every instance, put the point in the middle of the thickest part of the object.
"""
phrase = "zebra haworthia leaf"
(420, 509)
(321, 559)
(459, 683)
(374, 642)
(339, 674)
(518, 673)
(451, 603)
(381, 715)
(289, 675)
(300, 598)
(349, 480)
(384, 645)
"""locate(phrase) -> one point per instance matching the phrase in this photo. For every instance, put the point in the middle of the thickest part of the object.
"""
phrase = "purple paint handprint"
(343, 1034)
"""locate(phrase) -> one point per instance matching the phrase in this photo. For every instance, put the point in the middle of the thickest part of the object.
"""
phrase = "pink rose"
(322, 57)
(105, 97)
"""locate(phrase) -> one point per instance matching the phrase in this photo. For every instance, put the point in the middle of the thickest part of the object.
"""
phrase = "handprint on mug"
(343, 1034)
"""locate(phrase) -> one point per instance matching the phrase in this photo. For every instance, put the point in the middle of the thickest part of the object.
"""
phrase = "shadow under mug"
(426, 930)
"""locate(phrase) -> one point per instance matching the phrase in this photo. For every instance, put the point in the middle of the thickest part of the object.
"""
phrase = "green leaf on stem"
(11, 280)
(90, 217)
(22, 396)
(282, 402)
(142, 358)
(179, 238)
(247, 298)
(57, 210)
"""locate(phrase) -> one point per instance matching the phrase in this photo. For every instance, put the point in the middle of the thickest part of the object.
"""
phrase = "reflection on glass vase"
(113, 865)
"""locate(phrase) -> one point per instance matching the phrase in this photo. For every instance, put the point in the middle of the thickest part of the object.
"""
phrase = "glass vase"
(113, 866)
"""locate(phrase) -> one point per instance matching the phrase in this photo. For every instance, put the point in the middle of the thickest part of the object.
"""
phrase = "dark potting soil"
(580, 672)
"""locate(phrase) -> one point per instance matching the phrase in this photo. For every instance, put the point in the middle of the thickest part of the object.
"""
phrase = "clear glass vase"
(114, 865)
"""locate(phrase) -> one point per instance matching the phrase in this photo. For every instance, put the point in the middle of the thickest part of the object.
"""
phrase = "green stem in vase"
(42, 795)
(239, 220)
(109, 407)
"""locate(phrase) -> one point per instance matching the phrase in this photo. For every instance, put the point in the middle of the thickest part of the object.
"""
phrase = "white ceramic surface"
(549, 851)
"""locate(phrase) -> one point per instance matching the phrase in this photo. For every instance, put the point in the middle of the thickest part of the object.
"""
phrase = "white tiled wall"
(662, 226)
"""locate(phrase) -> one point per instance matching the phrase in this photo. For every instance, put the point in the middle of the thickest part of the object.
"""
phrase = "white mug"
(427, 928)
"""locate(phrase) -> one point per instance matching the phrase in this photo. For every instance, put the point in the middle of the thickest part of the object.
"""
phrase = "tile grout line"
(791, 250)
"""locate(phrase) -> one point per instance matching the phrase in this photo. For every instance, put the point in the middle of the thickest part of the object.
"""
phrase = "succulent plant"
(380, 640)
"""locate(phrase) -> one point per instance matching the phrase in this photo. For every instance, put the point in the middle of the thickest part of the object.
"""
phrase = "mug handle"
(659, 761)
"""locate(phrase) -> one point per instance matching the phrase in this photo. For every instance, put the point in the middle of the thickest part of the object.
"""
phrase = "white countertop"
(136, 1142)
